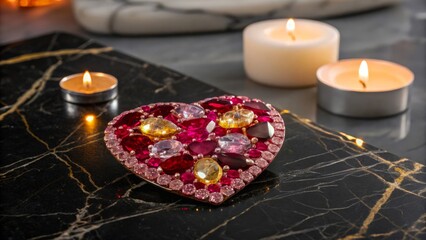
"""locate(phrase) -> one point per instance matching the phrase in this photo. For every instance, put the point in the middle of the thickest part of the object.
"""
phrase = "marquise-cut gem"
(158, 128)
(205, 147)
(129, 120)
(234, 143)
(261, 130)
(166, 148)
(177, 164)
(207, 171)
(137, 143)
(233, 160)
(189, 111)
(236, 118)
(220, 106)
(257, 107)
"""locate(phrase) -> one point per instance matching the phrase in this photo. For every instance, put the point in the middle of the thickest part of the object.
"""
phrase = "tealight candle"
(287, 53)
(364, 88)
(89, 87)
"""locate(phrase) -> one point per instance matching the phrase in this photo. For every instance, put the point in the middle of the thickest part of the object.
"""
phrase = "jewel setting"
(207, 151)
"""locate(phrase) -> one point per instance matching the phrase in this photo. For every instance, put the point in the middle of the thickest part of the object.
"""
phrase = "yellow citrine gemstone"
(158, 128)
(207, 171)
(236, 118)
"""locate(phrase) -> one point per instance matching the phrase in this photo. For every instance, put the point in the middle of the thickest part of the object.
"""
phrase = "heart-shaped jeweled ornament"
(207, 151)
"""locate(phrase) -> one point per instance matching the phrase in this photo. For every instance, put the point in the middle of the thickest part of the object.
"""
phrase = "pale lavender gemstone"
(176, 184)
(234, 143)
(227, 190)
(188, 189)
(166, 148)
(164, 180)
(188, 111)
(216, 197)
(202, 194)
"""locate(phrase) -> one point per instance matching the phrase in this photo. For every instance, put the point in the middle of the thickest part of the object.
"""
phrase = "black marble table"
(58, 180)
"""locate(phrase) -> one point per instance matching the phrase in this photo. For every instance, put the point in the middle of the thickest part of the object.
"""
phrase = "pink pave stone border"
(173, 182)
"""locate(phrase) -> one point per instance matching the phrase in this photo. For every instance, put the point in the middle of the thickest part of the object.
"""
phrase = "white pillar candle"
(286, 54)
(369, 88)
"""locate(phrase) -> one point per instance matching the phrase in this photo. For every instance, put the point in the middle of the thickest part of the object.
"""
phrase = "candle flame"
(87, 79)
(291, 27)
(363, 73)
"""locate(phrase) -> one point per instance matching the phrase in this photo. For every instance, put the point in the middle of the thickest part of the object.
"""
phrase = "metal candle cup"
(102, 88)
(387, 90)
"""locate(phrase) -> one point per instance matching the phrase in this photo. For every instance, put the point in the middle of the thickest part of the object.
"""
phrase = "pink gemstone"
(188, 189)
(261, 146)
(235, 130)
(261, 163)
(189, 111)
(137, 143)
(216, 197)
(237, 183)
(129, 120)
(225, 181)
(278, 125)
(227, 191)
(172, 118)
(122, 132)
(161, 110)
(212, 116)
(131, 162)
(176, 184)
(188, 136)
(198, 124)
(187, 177)
(258, 108)
(279, 133)
(273, 148)
(164, 180)
(140, 168)
(205, 148)
(122, 156)
(246, 176)
(254, 153)
(234, 143)
(177, 164)
(232, 174)
(142, 155)
(235, 100)
(145, 108)
(166, 148)
(154, 162)
(255, 170)
(199, 185)
(217, 104)
(268, 156)
(151, 173)
(220, 131)
(264, 119)
(201, 194)
(277, 140)
(213, 188)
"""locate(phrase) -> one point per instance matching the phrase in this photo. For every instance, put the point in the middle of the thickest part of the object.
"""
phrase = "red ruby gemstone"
(129, 120)
(220, 131)
(212, 116)
(187, 177)
(137, 143)
(258, 108)
(142, 155)
(177, 164)
(213, 188)
(235, 130)
(199, 185)
(254, 153)
(217, 104)
(145, 108)
(264, 119)
(233, 174)
(172, 118)
(205, 147)
(225, 181)
(235, 100)
(122, 133)
(261, 146)
(188, 136)
(154, 162)
(162, 110)
(197, 124)
(233, 160)
(261, 130)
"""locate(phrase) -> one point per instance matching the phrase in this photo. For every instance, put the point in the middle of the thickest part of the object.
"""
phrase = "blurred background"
(203, 39)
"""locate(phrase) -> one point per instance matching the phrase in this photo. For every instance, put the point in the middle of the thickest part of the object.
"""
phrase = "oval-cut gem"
(261, 130)
(234, 143)
(166, 148)
(160, 110)
(236, 118)
(258, 107)
(137, 143)
(188, 111)
(158, 128)
(129, 120)
(233, 160)
(177, 164)
(207, 171)
(205, 147)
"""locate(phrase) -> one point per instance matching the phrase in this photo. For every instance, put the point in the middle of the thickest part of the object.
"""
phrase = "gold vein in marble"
(385, 196)
(62, 52)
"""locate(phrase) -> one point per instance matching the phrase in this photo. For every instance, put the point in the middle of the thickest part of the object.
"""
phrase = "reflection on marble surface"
(58, 180)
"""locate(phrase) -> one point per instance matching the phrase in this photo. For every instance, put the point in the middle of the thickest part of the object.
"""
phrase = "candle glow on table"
(89, 87)
(287, 53)
(364, 87)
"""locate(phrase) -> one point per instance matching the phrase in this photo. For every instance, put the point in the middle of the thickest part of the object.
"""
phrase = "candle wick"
(292, 36)
(364, 85)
